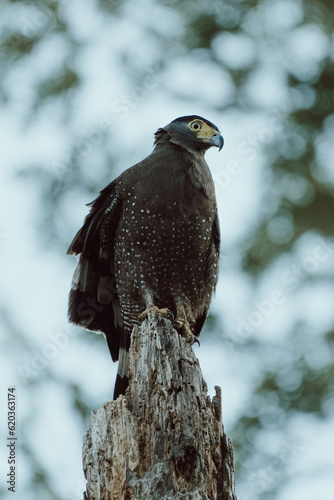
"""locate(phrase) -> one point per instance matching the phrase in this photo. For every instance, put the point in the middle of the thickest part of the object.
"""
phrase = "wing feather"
(212, 270)
(93, 300)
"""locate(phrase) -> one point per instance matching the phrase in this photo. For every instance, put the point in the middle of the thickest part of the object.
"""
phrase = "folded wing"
(93, 300)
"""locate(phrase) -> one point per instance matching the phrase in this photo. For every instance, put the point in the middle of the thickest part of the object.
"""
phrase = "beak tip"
(218, 141)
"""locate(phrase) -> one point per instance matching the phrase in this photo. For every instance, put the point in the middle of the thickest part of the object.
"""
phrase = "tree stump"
(164, 439)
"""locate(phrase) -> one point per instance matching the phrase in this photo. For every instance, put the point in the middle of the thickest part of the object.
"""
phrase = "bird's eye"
(196, 126)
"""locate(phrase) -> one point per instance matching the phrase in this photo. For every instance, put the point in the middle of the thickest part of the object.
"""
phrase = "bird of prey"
(150, 243)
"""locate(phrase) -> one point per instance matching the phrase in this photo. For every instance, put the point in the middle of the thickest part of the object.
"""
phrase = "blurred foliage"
(316, 210)
(299, 196)
(59, 85)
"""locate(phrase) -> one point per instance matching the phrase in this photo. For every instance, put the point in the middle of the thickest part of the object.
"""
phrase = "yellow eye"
(196, 126)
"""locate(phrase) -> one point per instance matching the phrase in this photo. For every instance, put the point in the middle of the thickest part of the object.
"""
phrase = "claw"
(170, 315)
(177, 324)
(194, 340)
(183, 325)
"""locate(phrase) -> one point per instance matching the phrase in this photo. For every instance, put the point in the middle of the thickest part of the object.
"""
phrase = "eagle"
(150, 243)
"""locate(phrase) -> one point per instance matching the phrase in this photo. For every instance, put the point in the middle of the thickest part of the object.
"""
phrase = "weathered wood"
(164, 439)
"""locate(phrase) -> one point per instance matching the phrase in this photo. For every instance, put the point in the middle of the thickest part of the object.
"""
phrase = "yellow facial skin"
(202, 130)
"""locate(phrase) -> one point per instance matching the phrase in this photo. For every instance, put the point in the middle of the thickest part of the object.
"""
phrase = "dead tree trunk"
(163, 440)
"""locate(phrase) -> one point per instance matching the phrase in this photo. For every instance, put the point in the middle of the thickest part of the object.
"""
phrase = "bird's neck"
(163, 138)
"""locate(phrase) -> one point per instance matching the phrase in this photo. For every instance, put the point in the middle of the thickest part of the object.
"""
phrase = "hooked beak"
(217, 141)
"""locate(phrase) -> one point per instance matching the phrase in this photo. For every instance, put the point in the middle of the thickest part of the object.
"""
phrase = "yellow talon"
(166, 313)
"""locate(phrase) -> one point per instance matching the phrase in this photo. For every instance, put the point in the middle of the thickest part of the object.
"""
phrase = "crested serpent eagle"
(150, 243)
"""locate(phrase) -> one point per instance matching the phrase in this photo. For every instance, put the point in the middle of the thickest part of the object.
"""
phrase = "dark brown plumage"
(151, 241)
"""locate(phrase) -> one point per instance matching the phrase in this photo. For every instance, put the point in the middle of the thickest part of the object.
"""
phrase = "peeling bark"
(164, 439)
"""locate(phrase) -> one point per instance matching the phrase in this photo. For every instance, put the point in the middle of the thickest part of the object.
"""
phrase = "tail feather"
(122, 380)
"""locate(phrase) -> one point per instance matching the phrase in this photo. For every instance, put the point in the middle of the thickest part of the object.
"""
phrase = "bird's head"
(192, 133)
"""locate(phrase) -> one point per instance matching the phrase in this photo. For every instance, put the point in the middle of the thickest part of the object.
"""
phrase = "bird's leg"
(155, 310)
(181, 323)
